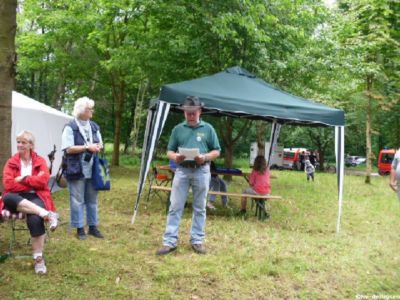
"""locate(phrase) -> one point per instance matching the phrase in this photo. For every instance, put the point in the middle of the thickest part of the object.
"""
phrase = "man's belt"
(191, 164)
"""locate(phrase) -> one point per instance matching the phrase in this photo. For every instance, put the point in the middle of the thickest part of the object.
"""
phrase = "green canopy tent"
(237, 93)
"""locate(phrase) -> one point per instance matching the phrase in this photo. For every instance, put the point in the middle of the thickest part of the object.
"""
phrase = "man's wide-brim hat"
(191, 103)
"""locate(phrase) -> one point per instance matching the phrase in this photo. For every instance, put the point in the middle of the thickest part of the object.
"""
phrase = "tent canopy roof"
(236, 92)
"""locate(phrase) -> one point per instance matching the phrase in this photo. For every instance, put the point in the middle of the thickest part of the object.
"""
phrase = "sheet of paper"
(190, 153)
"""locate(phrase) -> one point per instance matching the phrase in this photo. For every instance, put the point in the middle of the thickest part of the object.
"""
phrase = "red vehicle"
(385, 161)
(291, 157)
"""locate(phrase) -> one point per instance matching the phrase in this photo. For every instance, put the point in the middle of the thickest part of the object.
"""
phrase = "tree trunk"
(228, 140)
(228, 161)
(57, 100)
(261, 129)
(138, 115)
(321, 159)
(119, 97)
(8, 27)
(397, 132)
(226, 129)
(32, 86)
(368, 132)
(129, 126)
(321, 139)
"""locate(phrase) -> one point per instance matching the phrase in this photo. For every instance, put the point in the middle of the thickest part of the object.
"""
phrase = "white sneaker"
(52, 218)
(40, 266)
(211, 206)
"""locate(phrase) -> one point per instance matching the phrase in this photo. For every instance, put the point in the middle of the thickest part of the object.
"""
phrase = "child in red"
(259, 181)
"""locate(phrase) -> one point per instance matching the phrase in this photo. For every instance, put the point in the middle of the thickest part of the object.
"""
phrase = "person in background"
(25, 180)
(313, 158)
(309, 170)
(259, 181)
(216, 184)
(81, 139)
(192, 133)
(302, 158)
(395, 174)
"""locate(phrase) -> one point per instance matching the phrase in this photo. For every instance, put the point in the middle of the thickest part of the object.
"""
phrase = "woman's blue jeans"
(199, 180)
(82, 195)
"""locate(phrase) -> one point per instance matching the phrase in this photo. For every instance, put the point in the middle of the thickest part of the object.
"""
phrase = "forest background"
(121, 52)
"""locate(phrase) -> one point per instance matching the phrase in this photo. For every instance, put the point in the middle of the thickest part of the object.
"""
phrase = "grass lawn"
(296, 254)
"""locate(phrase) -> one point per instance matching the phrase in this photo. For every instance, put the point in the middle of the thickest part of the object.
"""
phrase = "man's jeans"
(199, 180)
(81, 195)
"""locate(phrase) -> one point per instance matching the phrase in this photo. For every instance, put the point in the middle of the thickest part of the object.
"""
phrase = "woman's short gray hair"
(27, 135)
(81, 104)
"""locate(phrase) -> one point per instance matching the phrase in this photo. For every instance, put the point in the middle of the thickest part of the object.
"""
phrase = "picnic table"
(259, 200)
(219, 171)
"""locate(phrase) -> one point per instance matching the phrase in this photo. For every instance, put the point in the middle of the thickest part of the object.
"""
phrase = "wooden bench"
(259, 200)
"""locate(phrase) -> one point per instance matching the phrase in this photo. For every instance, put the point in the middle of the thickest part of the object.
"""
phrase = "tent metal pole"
(339, 147)
(275, 130)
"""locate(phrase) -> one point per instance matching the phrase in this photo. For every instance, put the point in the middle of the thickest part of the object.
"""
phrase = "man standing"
(192, 133)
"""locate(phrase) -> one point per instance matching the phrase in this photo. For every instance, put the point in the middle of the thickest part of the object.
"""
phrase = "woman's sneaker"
(52, 218)
(40, 266)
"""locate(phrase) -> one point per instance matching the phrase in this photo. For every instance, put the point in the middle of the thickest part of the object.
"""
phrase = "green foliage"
(295, 254)
(367, 33)
(118, 51)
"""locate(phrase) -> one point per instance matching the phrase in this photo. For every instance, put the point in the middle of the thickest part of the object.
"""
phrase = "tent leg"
(339, 147)
(276, 127)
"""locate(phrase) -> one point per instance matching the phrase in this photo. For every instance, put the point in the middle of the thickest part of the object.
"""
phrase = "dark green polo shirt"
(202, 136)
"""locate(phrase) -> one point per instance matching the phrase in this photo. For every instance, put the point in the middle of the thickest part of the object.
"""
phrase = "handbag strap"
(80, 132)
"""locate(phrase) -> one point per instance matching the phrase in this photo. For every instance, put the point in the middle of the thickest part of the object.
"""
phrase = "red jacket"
(34, 182)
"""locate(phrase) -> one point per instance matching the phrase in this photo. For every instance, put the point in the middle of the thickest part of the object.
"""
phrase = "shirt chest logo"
(199, 136)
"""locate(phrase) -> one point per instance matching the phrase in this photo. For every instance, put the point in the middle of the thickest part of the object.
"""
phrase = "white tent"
(45, 122)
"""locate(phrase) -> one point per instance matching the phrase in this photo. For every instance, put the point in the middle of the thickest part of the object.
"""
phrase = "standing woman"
(25, 181)
(81, 139)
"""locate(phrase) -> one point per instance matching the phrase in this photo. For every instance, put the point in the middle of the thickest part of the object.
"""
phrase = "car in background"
(352, 160)
(385, 161)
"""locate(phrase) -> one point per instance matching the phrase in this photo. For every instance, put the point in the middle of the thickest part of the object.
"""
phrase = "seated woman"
(25, 181)
(216, 184)
(259, 181)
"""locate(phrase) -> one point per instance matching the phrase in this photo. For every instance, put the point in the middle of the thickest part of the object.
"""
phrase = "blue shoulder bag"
(101, 173)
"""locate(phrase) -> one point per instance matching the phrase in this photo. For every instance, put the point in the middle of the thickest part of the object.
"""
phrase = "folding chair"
(158, 178)
(16, 225)
(13, 221)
